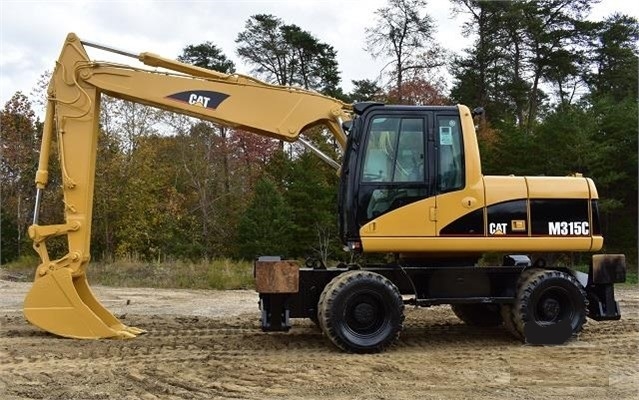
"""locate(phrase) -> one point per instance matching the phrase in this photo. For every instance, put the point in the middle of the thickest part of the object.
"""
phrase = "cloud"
(31, 32)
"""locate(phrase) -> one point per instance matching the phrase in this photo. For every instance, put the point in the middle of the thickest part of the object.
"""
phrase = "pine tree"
(265, 228)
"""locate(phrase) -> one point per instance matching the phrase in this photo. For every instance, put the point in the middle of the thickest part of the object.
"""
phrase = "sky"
(32, 32)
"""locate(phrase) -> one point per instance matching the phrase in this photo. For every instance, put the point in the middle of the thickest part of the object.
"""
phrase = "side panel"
(522, 214)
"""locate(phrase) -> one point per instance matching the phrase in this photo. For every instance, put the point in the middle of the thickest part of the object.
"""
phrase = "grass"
(128, 272)
(631, 279)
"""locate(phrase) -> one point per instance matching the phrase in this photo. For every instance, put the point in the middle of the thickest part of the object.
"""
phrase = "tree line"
(559, 91)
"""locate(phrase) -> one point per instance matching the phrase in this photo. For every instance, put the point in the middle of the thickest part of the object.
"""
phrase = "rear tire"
(547, 297)
(361, 312)
(507, 310)
(478, 314)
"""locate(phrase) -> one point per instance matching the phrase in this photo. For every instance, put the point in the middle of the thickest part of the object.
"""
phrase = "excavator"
(411, 186)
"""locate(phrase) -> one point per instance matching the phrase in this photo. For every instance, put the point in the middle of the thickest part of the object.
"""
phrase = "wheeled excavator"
(411, 185)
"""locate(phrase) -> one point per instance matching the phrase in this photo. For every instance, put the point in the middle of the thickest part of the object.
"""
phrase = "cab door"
(396, 176)
(459, 183)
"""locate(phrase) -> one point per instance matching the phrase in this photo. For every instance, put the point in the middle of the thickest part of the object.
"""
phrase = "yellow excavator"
(410, 185)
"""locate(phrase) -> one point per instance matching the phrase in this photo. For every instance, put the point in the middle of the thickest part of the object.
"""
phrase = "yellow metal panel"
(593, 189)
(476, 245)
(504, 188)
(411, 220)
(471, 148)
(549, 187)
(288, 113)
(453, 205)
(597, 243)
(65, 306)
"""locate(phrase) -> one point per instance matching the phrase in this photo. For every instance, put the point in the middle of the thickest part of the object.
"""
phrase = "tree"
(288, 55)
(402, 33)
(155, 222)
(207, 55)
(479, 75)
(9, 239)
(614, 110)
(18, 164)
(111, 175)
(365, 90)
(204, 152)
(551, 41)
(265, 227)
(310, 192)
(521, 47)
(419, 91)
(613, 62)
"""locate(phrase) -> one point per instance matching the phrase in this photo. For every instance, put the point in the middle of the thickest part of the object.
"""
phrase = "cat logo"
(200, 98)
(497, 229)
(201, 101)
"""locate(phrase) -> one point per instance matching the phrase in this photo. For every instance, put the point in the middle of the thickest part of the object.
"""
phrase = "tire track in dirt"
(193, 357)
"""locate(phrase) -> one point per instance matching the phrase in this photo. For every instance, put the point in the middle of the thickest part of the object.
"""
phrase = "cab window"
(450, 174)
(395, 150)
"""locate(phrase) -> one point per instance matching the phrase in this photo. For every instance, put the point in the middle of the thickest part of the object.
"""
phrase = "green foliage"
(563, 142)
(207, 55)
(309, 188)
(18, 165)
(311, 195)
(365, 90)
(520, 47)
(8, 238)
(288, 55)
(265, 228)
(614, 57)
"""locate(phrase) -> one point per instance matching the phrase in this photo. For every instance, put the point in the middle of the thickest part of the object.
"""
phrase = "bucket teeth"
(134, 330)
(125, 334)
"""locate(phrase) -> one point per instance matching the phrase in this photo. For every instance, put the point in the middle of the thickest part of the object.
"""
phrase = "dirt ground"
(207, 345)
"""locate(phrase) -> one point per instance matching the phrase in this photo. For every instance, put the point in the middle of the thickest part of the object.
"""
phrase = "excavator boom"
(60, 300)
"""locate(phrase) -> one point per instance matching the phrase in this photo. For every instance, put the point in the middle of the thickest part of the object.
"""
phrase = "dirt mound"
(215, 349)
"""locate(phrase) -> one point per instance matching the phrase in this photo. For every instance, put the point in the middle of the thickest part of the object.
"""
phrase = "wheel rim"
(554, 305)
(365, 315)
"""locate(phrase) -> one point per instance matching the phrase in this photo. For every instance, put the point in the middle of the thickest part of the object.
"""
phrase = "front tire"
(361, 312)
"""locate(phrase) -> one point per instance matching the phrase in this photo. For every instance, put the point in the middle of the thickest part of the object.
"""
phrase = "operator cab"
(395, 156)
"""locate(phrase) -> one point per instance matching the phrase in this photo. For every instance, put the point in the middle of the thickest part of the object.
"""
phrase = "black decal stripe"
(215, 98)
(505, 213)
(596, 227)
(501, 213)
(542, 213)
(469, 224)
(545, 211)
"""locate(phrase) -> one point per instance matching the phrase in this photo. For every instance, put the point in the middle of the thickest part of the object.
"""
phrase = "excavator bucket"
(65, 305)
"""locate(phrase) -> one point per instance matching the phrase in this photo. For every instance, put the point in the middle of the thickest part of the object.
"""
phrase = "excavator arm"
(60, 300)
